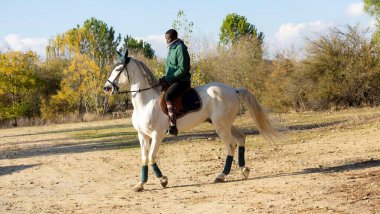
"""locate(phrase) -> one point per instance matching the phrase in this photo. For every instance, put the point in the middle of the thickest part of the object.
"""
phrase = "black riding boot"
(172, 130)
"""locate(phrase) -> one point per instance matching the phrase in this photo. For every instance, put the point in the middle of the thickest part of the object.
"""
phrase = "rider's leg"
(175, 90)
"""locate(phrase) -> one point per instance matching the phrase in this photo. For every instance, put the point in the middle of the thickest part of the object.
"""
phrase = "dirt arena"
(329, 163)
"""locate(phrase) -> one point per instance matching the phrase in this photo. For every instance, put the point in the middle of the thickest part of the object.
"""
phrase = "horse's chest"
(142, 123)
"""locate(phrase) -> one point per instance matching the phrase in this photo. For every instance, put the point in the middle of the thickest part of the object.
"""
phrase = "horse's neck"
(141, 99)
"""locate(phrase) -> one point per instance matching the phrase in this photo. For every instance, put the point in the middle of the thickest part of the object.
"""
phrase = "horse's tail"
(264, 125)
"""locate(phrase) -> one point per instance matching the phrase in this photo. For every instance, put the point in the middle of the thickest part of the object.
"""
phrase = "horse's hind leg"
(225, 135)
(240, 140)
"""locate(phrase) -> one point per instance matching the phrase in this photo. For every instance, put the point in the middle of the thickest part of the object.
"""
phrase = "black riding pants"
(175, 90)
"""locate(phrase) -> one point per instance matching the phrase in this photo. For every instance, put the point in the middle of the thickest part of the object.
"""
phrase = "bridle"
(115, 88)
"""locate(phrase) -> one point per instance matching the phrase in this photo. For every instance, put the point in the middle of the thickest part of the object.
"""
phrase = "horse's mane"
(149, 76)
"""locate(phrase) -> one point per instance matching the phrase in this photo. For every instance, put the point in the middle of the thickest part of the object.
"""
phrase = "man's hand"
(162, 81)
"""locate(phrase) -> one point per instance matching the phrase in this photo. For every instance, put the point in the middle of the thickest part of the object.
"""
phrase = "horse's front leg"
(156, 141)
(145, 145)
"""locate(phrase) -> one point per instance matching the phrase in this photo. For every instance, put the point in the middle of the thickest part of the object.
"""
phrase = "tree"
(52, 73)
(373, 8)
(80, 89)
(183, 26)
(20, 85)
(94, 39)
(138, 46)
(235, 26)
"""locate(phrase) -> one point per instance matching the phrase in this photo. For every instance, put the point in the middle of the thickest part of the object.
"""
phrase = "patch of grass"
(99, 134)
(75, 128)
(126, 133)
(346, 115)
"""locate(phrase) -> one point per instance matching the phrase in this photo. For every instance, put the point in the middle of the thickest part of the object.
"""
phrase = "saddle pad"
(190, 102)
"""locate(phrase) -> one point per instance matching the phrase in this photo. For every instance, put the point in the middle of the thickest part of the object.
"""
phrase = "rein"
(140, 90)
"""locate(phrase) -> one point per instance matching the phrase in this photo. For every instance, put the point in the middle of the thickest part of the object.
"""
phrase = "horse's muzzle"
(111, 89)
(107, 88)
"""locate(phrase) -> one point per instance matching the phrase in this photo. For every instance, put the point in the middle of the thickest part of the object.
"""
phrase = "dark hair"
(172, 33)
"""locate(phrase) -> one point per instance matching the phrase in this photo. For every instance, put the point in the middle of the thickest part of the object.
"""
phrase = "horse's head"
(117, 78)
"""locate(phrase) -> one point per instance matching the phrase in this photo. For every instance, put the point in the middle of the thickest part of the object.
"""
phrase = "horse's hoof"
(138, 187)
(220, 178)
(245, 171)
(164, 181)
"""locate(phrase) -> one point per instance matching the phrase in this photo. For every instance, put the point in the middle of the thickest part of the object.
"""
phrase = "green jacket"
(177, 65)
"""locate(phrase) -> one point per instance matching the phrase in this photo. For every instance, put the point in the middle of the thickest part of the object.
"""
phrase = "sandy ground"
(322, 169)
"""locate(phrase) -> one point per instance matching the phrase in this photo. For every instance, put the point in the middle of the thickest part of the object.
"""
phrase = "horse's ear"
(118, 53)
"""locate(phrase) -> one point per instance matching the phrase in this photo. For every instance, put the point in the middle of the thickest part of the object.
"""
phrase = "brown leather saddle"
(187, 103)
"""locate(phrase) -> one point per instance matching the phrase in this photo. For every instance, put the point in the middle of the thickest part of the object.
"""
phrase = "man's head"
(171, 35)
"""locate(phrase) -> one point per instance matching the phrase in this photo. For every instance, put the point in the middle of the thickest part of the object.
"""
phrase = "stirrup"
(172, 130)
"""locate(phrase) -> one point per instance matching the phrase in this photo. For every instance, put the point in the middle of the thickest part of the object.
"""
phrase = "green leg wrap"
(156, 170)
(227, 166)
(241, 156)
(144, 174)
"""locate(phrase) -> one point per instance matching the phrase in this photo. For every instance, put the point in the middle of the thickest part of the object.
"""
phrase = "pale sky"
(28, 24)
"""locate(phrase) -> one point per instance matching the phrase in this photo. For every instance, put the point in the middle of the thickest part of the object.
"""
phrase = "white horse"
(220, 105)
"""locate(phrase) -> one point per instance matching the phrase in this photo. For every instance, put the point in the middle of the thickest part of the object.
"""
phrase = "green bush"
(341, 69)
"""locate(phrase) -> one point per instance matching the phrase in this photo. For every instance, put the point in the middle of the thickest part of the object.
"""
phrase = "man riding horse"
(220, 105)
(177, 75)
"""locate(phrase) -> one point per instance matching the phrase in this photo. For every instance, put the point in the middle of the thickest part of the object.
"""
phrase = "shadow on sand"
(69, 148)
(212, 134)
(5, 170)
(333, 169)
